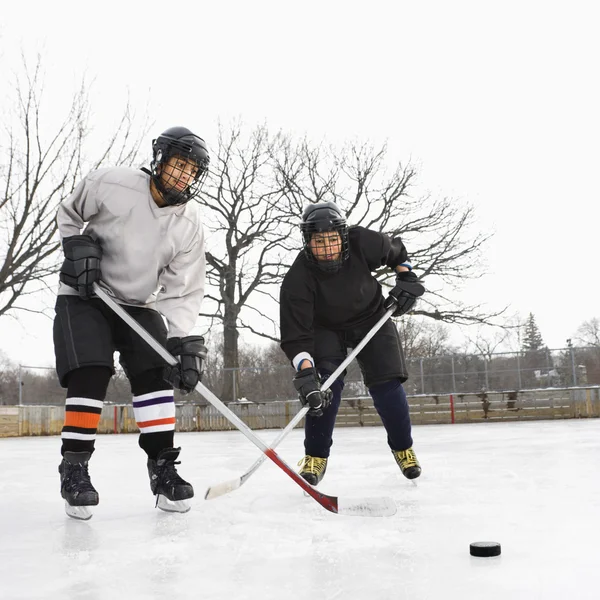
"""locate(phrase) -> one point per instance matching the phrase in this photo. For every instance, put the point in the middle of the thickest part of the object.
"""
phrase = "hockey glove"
(404, 294)
(308, 386)
(81, 267)
(191, 353)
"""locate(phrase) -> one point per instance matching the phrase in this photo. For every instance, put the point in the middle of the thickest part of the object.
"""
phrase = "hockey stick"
(367, 507)
(233, 484)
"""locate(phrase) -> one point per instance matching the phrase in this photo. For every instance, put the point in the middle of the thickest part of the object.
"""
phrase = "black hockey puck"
(485, 549)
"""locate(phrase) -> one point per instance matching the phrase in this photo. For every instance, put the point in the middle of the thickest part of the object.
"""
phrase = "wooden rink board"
(562, 403)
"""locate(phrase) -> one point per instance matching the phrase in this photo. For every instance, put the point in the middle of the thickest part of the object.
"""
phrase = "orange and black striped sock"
(82, 416)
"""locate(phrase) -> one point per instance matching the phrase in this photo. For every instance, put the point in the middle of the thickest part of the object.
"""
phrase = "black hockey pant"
(390, 402)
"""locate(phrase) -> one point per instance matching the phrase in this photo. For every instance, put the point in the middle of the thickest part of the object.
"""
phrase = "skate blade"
(81, 513)
(306, 494)
(178, 506)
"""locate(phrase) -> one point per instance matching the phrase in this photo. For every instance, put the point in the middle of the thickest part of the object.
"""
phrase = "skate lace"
(406, 458)
(167, 475)
(78, 476)
(312, 464)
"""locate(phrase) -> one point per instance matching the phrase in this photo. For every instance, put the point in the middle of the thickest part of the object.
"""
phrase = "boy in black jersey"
(329, 300)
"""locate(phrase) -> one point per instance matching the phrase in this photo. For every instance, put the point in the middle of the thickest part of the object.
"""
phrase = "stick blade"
(215, 491)
(367, 507)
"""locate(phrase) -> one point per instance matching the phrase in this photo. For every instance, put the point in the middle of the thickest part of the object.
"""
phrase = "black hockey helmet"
(323, 217)
(179, 141)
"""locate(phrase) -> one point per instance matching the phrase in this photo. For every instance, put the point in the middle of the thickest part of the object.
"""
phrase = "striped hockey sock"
(82, 416)
(155, 412)
(155, 416)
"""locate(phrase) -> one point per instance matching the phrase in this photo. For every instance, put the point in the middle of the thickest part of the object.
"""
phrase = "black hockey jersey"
(344, 300)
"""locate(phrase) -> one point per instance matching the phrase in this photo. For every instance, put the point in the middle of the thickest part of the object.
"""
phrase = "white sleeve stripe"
(300, 357)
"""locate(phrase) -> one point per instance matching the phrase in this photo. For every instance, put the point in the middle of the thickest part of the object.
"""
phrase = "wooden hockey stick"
(233, 484)
(366, 507)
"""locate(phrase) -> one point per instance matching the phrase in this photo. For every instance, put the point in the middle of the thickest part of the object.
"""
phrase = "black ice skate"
(171, 491)
(408, 463)
(76, 486)
(312, 469)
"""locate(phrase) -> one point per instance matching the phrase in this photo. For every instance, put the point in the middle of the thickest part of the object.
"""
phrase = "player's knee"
(326, 369)
(89, 382)
(149, 381)
(383, 388)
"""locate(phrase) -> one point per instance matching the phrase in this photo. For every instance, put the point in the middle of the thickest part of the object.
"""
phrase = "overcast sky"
(497, 102)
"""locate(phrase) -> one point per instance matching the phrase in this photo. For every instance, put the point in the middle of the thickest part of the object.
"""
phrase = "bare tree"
(588, 333)
(248, 246)
(588, 357)
(422, 338)
(439, 232)
(9, 381)
(489, 343)
(40, 165)
(257, 189)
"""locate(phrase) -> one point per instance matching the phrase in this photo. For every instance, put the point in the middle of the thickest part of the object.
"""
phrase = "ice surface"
(534, 487)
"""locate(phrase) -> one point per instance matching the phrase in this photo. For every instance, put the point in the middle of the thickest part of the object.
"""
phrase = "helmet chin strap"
(172, 197)
(327, 266)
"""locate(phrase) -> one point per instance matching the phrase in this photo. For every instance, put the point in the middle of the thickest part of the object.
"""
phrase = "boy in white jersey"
(143, 243)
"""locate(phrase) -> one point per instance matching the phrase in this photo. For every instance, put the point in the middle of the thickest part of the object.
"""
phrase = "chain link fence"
(455, 373)
(467, 373)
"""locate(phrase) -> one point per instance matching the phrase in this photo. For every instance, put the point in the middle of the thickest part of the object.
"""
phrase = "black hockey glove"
(404, 294)
(81, 267)
(191, 353)
(308, 386)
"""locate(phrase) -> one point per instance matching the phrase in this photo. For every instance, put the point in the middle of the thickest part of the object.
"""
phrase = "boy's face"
(326, 246)
(178, 173)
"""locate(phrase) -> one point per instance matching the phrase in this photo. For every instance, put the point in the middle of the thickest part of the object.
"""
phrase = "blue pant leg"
(390, 402)
(319, 430)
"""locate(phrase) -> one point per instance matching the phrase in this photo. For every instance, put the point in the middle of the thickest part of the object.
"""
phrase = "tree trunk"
(231, 374)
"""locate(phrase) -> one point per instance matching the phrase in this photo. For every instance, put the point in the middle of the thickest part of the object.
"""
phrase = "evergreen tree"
(532, 338)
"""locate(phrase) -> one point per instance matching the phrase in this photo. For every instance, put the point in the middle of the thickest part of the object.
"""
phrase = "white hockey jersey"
(151, 256)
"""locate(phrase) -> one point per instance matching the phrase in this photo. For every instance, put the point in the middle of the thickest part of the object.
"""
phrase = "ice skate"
(76, 486)
(408, 463)
(171, 491)
(312, 469)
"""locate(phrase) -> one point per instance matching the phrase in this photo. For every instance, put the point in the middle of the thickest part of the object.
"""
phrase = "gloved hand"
(191, 353)
(404, 294)
(308, 386)
(81, 267)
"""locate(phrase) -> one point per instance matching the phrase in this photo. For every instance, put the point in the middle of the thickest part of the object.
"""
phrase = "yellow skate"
(312, 469)
(408, 463)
